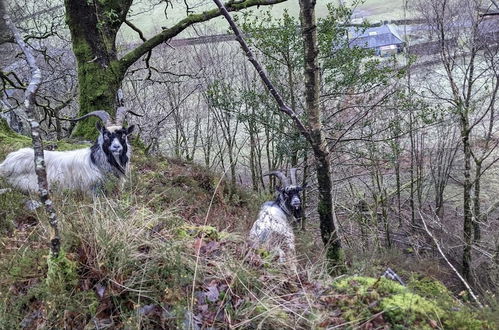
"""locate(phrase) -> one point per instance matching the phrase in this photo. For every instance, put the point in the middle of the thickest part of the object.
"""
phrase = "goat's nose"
(116, 147)
(295, 203)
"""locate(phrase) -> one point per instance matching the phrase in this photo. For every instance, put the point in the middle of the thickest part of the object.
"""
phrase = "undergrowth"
(169, 251)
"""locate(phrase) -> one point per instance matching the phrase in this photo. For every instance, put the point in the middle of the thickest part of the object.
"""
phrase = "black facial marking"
(108, 138)
(286, 197)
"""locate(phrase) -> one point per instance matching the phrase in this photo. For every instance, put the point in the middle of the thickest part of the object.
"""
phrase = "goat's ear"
(130, 129)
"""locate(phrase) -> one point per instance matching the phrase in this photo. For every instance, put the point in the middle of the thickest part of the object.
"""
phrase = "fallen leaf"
(212, 294)
(100, 290)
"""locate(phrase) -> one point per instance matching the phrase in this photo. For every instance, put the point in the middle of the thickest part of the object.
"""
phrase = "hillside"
(170, 252)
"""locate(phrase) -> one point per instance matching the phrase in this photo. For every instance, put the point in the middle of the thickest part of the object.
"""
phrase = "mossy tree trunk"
(94, 25)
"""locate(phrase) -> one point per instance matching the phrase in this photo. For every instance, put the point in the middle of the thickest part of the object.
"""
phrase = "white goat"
(82, 169)
(272, 230)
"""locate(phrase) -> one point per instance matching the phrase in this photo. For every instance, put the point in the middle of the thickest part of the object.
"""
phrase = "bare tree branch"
(475, 298)
(169, 33)
(268, 84)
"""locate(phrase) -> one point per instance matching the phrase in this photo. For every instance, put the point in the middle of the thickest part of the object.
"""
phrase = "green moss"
(61, 273)
(198, 231)
(27, 263)
(10, 140)
(465, 320)
(184, 180)
(263, 253)
(97, 85)
(407, 308)
(336, 260)
(423, 304)
(430, 288)
(362, 285)
(4, 127)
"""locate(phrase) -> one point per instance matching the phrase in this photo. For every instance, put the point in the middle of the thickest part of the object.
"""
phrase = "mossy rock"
(424, 304)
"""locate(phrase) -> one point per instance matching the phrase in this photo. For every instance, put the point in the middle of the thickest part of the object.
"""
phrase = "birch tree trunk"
(40, 170)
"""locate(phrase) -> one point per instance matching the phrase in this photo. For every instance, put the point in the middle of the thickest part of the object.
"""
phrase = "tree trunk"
(36, 138)
(252, 131)
(468, 220)
(5, 33)
(477, 234)
(329, 234)
(294, 132)
(99, 72)
(304, 193)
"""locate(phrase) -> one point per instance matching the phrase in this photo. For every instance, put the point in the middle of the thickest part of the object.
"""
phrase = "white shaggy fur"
(65, 169)
(272, 231)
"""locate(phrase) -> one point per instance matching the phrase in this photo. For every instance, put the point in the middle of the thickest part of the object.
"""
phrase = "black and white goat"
(81, 169)
(272, 230)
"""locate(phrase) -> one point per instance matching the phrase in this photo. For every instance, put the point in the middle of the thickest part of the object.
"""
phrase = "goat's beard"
(115, 159)
(118, 158)
(297, 212)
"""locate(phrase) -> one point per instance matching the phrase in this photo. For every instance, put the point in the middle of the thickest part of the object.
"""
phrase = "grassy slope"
(158, 256)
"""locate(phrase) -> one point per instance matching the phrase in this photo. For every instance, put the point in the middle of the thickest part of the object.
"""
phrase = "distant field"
(375, 10)
(151, 19)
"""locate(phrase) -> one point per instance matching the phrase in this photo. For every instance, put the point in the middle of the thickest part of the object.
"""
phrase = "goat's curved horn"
(292, 174)
(281, 176)
(101, 114)
(120, 115)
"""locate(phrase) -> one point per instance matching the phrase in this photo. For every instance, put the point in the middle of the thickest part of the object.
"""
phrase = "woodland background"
(410, 141)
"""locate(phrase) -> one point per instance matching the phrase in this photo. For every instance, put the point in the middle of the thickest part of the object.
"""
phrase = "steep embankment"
(170, 251)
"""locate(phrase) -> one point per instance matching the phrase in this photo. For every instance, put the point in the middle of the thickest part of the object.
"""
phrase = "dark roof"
(375, 37)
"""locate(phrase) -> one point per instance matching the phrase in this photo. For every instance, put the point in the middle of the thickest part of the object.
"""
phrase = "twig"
(475, 298)
(283, 107)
